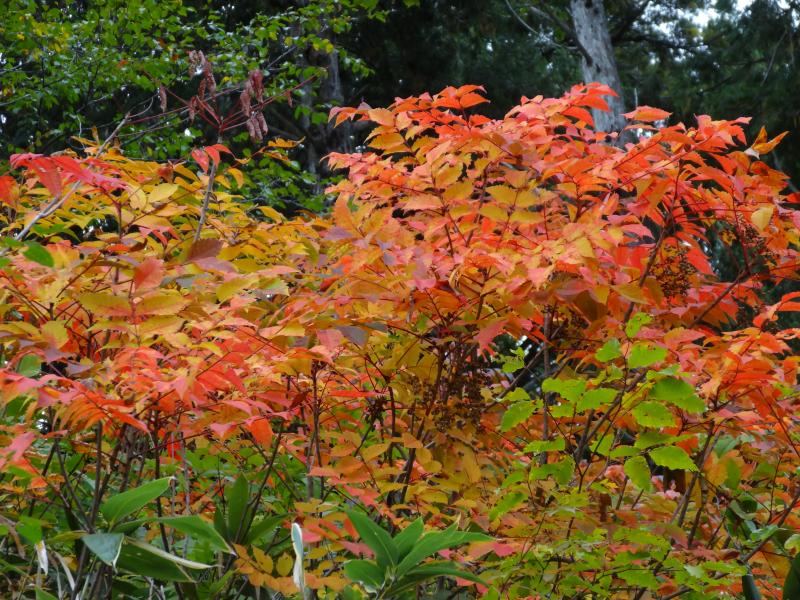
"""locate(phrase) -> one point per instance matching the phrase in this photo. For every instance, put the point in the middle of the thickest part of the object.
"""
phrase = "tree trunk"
(597, 58)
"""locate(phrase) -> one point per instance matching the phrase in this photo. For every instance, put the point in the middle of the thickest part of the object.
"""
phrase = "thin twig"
(206, 198)
(58, 201)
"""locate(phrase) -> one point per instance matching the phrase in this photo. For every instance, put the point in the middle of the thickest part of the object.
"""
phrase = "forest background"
(253, 328)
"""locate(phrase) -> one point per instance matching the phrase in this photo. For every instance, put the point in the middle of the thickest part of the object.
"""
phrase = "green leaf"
(791, 585)
(237, 496)
(653, 414)
(609, 351)
(508, 502)
(444, 568)
(30, 528)
(640, 578)
(140, 560)
(678, 392)
(563, 470)
(120, 506)
(644, 355)
(516, 414)
(29, 365)
(430, 571)
(638, 471)
(38, 253)
(570, 389)
(672, 457)
(517, 394)
(198, 529)
(364, 572)
(750, 589)
(636, 322)
(42, 595)
(183, 562)
(378, 540)
(106, 546)
(434, 541)
(545, 445)
(406, 539)
(263, 527)
(596, 398)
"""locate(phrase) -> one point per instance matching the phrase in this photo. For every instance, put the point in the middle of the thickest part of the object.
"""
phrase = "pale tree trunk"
(590, 29)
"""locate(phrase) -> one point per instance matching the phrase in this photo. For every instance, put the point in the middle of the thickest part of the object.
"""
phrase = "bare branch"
(58, 201)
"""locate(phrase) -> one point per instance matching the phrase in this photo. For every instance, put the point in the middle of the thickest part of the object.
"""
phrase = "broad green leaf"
(261, 528)
(38, 253)
(429, 571)
(406, 539)
(648, 439)
(672, 457)
(29, 365)
(517, 394)
(749, 588)
(515, 414)
(42, 595)
(623, 451)
(198, 529)
(653, 414)
(570, 389)
(791, 585)
(378, 540)
(545, 445)
(30, 528)
(141, 561)
(640, 577)
(636, 322)
(596, 398)
(444, 568)
(432, 542)
(183, 562)
(643, 355)
(563, 470)
(609, 351)
(364, 572)
(237, 496)
(106, 546)
(638, 471)
(678, 392)
(602, 445)
(120, 506)
(508, 502)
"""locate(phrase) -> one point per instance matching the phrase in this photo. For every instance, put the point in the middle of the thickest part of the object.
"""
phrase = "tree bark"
(590, 27)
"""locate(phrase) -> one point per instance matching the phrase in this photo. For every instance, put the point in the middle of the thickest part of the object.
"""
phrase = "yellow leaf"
(458, 191)
(373, 451)
(230, 288)
(285, 564)
(494, 212)
(389, 142)
(55, 334)
(161, 192)
(503, 194)
(160, 325)
(270, 212)
(263, 559)
(138, 199)
(163, 302)
(103, 303)
(630, 291)
(584, 247)
(761, 217)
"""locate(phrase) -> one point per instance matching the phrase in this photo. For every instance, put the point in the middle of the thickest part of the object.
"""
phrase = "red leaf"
(647, 114)
(148, 274)
(201, 158)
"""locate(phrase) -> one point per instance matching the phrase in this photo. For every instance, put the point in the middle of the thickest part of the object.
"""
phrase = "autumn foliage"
(514, 326)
